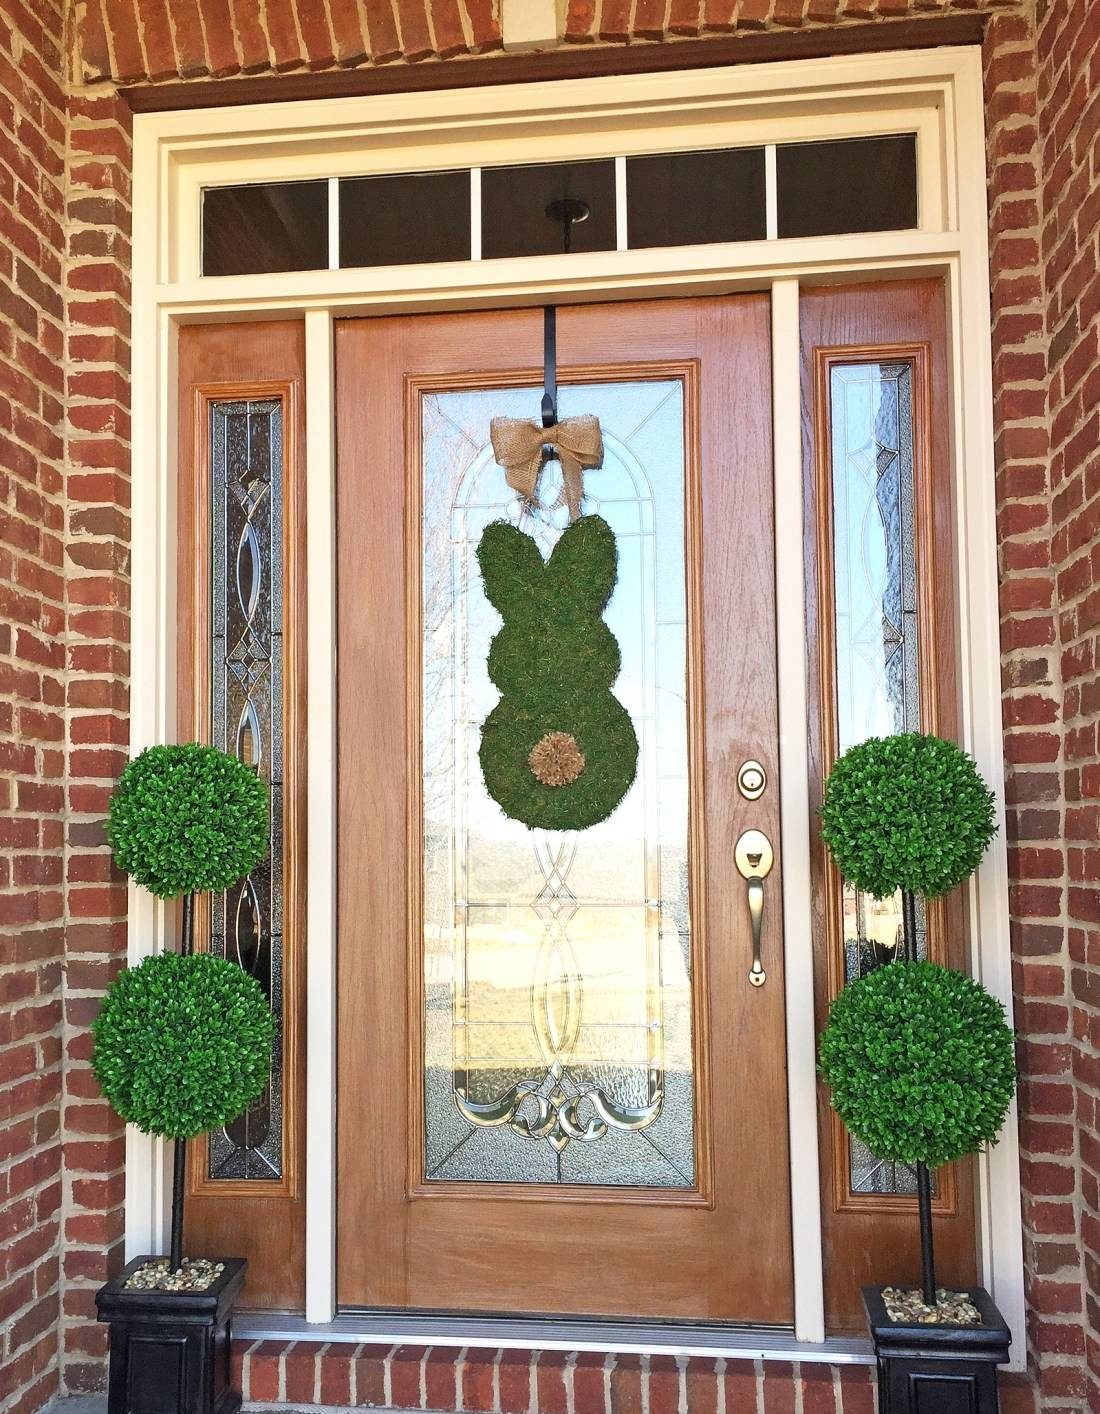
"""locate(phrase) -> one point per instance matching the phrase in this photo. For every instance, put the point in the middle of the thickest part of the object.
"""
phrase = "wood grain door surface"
(718, 1245)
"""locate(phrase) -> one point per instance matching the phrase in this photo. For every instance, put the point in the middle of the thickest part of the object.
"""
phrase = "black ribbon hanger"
(570, 211)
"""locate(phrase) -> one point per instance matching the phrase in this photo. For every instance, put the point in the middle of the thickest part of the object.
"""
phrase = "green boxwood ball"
(906, 812)
(185, 819)
(920, 1061)
(182, 1044)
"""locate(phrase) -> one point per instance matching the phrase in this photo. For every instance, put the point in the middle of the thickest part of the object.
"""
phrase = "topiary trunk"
(924, 1178)
(179, 1154)
(927, 1252)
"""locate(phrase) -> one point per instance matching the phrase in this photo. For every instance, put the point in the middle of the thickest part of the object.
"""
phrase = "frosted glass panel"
(558, 1039)
(875, 569)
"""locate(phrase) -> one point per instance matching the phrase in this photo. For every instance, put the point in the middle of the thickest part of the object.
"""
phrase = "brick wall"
(64, 551)
(97, 560)
(32, 695)
(1032, 680)
(64, 257)
(1069, 133)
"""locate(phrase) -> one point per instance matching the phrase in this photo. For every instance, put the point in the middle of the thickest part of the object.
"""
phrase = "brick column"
(32, 697)
(97, 560)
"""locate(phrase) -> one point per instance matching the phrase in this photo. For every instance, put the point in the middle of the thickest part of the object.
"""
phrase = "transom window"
(703, 197)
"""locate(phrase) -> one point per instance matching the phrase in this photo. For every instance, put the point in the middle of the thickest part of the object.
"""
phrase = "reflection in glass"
(855, 184)
(246, 656)
(877, 687)
(514, 202)
(406, 219)
(694, 198)
(557, 966)
(265, 227)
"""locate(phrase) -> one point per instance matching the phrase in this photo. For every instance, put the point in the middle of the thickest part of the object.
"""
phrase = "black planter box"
(937, 1369)
(170, 1350)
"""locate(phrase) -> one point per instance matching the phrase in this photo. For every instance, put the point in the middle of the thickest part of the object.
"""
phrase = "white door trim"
(938, 94)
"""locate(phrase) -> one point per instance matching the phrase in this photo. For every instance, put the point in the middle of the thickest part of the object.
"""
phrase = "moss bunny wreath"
(558, 751)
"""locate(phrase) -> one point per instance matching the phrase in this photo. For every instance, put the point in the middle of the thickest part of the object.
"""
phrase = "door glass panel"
(877, 685)
(246, 701)
(557, 966)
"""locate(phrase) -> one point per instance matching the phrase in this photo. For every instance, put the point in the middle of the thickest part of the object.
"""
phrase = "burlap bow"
(576, 442)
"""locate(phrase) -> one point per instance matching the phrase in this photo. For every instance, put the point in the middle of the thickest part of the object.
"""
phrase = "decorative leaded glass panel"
(877, 687)
(557, 966)
(246, 655)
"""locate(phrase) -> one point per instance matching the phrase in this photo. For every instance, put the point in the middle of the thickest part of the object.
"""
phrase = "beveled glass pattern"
(877, 684)
(557, 966)
(246, 656)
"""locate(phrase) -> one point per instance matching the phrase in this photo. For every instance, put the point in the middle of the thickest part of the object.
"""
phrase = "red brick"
(441, 1379)
(626, 1385)
(478, 1371)
(370, 1375)
(550, 1389)
(514, 1383)
(664, 1385)
(336, 1363)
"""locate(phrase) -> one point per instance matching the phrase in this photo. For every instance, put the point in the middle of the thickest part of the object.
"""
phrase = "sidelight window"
(246, 715)
(875, 637)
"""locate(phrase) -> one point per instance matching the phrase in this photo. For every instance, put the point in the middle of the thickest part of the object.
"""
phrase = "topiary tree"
(183, 1042)
(909, 812)
(921, 1065)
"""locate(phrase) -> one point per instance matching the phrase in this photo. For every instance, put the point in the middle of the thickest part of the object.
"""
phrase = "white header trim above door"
(936, 93)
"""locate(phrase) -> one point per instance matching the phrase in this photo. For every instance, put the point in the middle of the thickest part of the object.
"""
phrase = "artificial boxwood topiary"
(554, 662)
(182, 1044)
(920, 1061)
(185, 819)
(906, 812)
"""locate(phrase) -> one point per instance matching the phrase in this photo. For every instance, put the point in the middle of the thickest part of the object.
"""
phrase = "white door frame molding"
(935, 93)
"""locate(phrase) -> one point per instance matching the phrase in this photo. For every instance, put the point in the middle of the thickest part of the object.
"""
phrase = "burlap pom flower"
(556, 759)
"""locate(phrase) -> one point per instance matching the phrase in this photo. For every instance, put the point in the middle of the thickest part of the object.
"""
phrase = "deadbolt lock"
(752, 780)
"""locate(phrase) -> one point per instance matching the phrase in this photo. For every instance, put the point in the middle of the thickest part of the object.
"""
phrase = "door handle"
(753, 856)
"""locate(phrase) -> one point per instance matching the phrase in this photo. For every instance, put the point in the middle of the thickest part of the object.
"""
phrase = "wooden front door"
(558, 1090)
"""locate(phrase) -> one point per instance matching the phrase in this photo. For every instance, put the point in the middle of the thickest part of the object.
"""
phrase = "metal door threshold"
(619, 1337)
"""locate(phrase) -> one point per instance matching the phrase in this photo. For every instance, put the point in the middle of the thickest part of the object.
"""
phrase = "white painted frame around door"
(936, 93)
